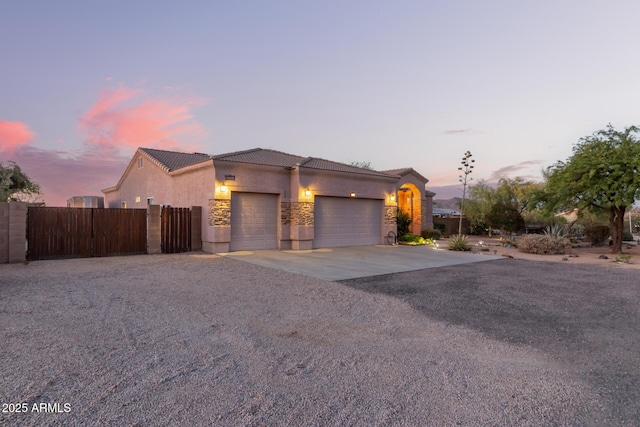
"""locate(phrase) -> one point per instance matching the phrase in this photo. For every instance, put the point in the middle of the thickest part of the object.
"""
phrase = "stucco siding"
(336, 184)
(139, 183)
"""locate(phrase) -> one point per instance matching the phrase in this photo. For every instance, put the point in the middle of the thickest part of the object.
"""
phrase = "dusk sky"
(84, 83)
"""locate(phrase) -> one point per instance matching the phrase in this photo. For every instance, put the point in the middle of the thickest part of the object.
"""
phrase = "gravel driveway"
(197, 339)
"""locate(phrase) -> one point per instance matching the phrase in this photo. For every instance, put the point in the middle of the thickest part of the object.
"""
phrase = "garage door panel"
(254, 221)
(347, 222)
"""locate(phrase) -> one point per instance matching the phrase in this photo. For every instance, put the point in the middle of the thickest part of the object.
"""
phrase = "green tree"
(602, 174)
(14, 183)
(477, 207)
(505, 215)
(503, 206)
(362, 164)
(518, 193)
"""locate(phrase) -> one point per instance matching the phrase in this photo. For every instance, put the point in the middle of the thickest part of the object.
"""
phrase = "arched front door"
(410, 201)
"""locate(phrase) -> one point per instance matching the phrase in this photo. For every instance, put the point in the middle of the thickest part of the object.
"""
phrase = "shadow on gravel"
(586, 317)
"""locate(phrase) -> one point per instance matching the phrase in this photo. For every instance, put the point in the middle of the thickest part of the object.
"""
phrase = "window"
(138, 199)
(149, 201)
(123, 204)
(139, 162)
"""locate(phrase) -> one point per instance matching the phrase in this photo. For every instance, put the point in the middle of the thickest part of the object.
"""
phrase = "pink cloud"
(13, 135)
(121, 120)
(63, 174)
(122, 117)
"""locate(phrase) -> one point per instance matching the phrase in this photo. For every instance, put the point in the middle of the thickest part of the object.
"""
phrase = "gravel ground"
(196, 339)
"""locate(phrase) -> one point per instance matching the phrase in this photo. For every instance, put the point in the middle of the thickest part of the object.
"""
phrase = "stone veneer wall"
(390, 215)
(219, 212)
(297, 213)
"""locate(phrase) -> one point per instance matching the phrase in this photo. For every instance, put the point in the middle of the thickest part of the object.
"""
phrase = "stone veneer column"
(298, 217)
(219, 217)
(219, 213)
(302, 213)
(391, 215)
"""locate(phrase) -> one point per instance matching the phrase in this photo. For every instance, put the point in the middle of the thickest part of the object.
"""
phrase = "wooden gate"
(119, 231)
(85, 232)
(175, 230)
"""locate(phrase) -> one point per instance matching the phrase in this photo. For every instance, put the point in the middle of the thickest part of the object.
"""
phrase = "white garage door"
(347, 222)
(254, 221)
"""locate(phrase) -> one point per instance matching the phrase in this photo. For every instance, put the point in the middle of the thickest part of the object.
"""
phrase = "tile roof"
(401, 171)
(404, 171)
(322, 164)
(261, 156)
(267, 157)
(172, 160)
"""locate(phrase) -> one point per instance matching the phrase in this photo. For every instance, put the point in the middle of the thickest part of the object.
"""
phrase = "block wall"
(13, 232)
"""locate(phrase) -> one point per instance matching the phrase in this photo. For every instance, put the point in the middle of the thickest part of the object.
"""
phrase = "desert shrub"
(555, 230)
(431, 234)
(627, 236)
(509, 243)
(404, 221)
(624, 258)
(459, 242)
(479, 228)
(412, 239)
(576, 231)
(596, 234)
(543, 244)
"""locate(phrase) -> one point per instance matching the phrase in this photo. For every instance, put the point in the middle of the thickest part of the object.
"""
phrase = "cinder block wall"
(452, 225)
(13, 232)
(196, 228)
(154, 238)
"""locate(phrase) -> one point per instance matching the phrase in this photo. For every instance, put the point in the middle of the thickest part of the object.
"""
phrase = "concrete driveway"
(358, 261)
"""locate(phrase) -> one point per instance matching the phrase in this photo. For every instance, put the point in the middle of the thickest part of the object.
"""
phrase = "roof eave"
(191, 167)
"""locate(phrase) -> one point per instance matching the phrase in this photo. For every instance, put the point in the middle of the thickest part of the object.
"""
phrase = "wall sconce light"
(307, 192)
(352, 194)
(224, 188)
(392, 198)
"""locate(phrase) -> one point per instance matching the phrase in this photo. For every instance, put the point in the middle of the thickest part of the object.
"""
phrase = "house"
(267, 199)
(85, 202)
(445, 213)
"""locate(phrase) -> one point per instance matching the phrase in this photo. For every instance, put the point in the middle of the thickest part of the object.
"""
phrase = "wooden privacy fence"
(175, 230)
(96, 232)
(85, 232)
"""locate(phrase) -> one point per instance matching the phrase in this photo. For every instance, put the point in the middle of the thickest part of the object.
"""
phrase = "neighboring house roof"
(267, 157)
(172, 160)
(439, 211)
